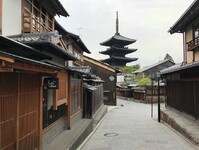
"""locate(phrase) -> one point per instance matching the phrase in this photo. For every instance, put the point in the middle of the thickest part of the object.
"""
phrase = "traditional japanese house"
(76, 47)
(118, 49)
(151, 70)
(182, 79)
(34, 79)
(108, 74)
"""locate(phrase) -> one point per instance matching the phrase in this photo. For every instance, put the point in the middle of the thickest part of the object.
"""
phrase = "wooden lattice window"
(36, 18)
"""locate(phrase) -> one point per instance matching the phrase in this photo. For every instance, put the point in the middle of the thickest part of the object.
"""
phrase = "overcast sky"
(147, 21)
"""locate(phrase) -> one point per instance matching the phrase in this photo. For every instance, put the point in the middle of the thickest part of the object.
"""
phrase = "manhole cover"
(111, 134)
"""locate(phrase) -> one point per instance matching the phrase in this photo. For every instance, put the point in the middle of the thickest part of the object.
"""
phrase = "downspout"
(184, 49)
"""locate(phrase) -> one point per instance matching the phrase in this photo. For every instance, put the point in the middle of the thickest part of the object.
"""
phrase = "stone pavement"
(71, 139)
(129, 126)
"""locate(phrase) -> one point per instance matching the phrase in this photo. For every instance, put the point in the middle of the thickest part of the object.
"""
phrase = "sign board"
(52, 83)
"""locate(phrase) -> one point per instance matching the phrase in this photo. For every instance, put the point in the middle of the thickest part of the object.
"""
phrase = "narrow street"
(129, 126)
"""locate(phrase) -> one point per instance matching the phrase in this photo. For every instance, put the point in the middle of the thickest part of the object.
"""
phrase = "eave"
(113, 49)
(55, 7)
(187, 17)
(77, 40)
(124, 59)
(16, 48)
(118, 40)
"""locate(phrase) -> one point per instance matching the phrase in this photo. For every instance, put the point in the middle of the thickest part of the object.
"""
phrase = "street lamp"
(158, 77)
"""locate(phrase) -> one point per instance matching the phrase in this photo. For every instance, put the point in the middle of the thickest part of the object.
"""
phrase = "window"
(36, 18)
(49, 114)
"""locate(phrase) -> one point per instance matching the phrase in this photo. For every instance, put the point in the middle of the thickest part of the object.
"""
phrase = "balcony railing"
(37, 21)
(193, 44)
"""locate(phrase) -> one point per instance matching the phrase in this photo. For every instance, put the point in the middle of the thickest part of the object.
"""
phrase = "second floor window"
(36, 19)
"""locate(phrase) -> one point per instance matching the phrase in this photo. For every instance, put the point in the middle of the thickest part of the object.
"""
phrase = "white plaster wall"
(197, 54)
(189, 57)
(188, 38)
(11, 17)
(189, 34)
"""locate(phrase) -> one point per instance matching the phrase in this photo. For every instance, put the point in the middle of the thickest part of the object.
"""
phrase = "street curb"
(176, 126)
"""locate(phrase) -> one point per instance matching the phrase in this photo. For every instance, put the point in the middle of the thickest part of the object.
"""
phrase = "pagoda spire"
(117, 24)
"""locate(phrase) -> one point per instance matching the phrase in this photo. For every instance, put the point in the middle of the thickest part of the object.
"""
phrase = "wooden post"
(194, 97)
(69, 104)
(17, 114)
(40, 112)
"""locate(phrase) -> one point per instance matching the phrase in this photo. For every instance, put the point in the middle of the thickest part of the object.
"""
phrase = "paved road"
(129, 126)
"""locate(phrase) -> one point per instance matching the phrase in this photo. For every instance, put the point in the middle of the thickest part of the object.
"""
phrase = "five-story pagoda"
(117, 49)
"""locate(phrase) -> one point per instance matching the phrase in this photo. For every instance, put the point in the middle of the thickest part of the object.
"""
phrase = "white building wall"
(11, 17)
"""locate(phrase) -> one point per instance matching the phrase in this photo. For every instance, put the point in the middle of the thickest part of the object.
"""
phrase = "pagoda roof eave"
(123, 50)
(126, 59)
(118, 39)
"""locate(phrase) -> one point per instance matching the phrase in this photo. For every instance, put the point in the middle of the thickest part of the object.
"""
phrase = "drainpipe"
(184, 49)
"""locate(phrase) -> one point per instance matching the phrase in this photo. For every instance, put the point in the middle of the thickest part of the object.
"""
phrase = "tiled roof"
(113, 49)
(36, 40)
(55, 7)
(187, 17)
(75, 37)
(118, 39)
(81, 69)
(35, 37)
(179, 67)
(19, 49)
(126, 59)
(151, 66)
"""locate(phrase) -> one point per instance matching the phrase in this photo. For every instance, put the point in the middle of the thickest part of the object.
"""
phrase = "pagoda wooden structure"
(117, 49)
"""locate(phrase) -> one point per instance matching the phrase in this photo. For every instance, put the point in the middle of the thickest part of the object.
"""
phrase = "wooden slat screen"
(76, 95)
(19, 102)
(8, 86)
(29, 111)
(63, 81)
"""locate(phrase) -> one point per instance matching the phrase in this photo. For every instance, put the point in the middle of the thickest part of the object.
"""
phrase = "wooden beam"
(99, 64)
(7, 59)
(62, 101)
(33, 67)
(6, 69)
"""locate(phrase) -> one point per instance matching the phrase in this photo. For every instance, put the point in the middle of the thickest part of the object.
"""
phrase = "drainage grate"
(111, 134)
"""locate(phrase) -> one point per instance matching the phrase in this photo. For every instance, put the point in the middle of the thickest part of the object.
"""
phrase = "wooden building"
(118, 49)
(34, 76)
(182, 79)
(76, 47)
(108, 74)
(151, 70)
(32, 97)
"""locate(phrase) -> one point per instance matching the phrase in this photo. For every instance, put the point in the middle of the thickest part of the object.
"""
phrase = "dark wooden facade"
(93, 99)
(108, 75)
(183, 79)
(182, 94)
(147, 94)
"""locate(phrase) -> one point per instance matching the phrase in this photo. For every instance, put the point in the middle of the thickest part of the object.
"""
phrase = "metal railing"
(193, 43)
